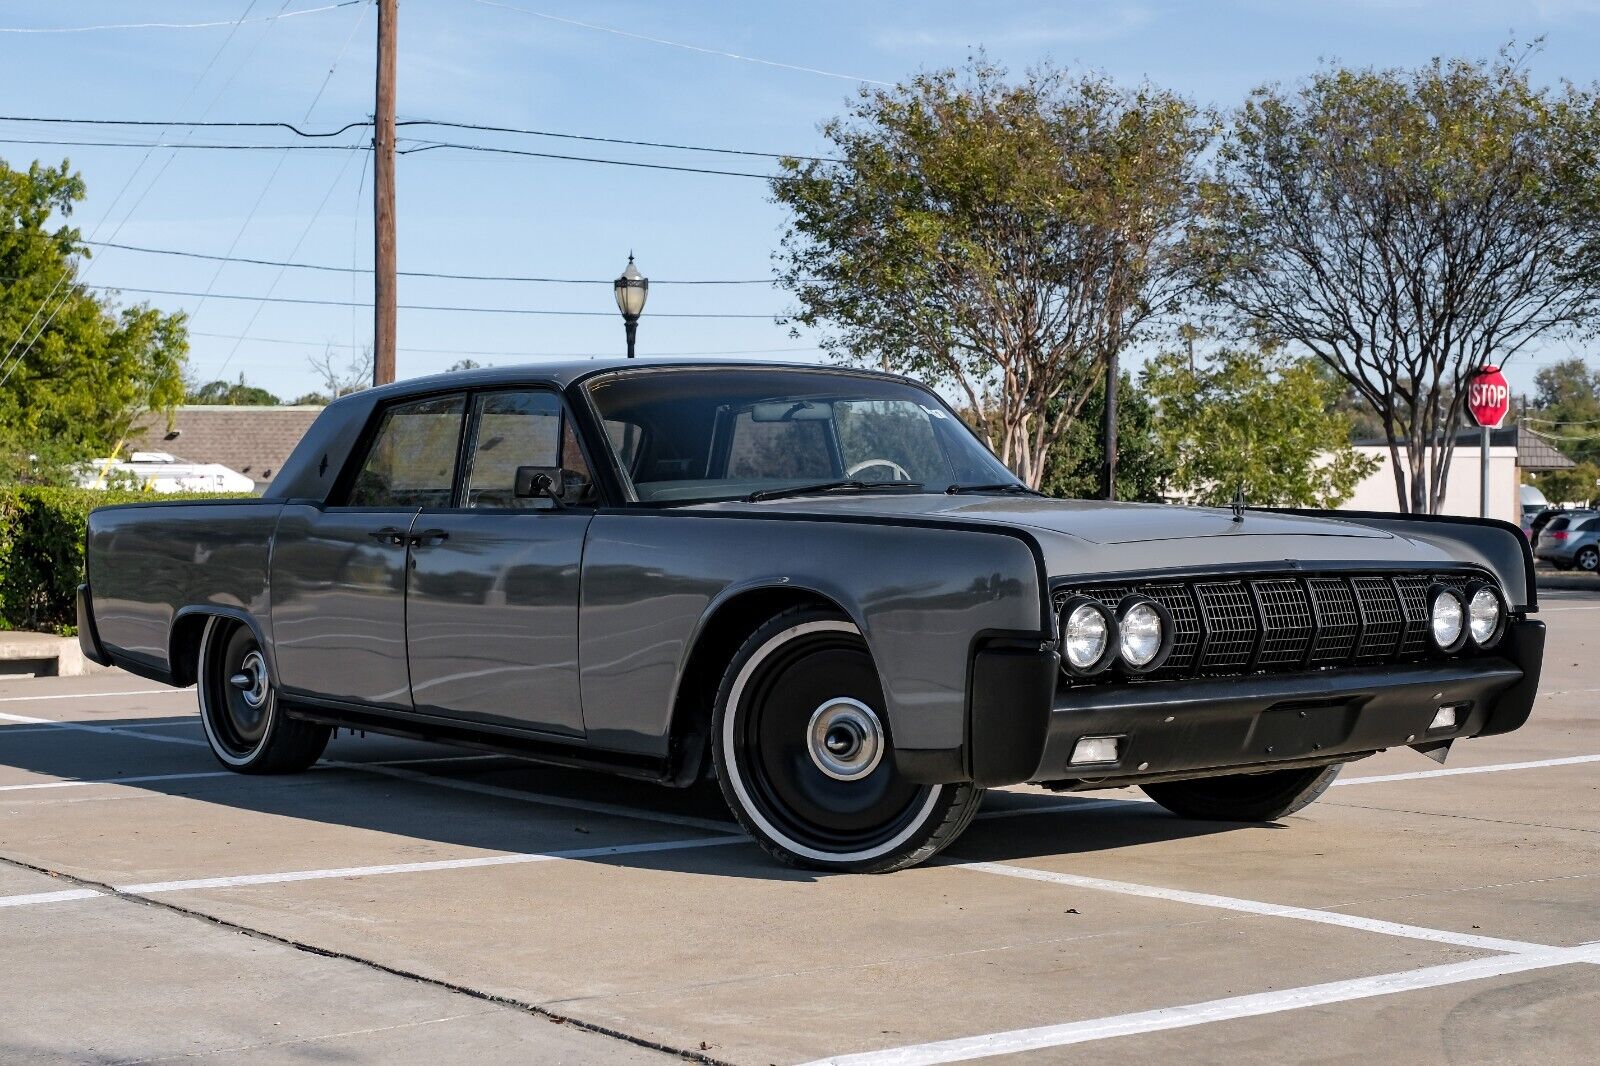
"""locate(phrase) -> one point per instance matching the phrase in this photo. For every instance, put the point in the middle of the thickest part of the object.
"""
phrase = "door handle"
(429, 536)
(388, 535)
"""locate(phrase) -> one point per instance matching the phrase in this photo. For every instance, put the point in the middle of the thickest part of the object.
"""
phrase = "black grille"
(1316, 621)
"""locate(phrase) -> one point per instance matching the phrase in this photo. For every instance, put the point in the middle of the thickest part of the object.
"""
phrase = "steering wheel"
(900, 473)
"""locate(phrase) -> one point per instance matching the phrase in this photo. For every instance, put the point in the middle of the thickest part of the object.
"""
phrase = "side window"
(515, 429)
(794, 449)
(412, 461)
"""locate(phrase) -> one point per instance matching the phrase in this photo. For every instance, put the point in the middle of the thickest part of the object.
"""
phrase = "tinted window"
(412, 462)
(779, 449)
(516, 429)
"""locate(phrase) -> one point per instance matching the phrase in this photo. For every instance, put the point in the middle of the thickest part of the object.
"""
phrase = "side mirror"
(535, 481)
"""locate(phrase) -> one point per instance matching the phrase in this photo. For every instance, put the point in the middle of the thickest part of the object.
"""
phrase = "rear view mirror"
(534, 481)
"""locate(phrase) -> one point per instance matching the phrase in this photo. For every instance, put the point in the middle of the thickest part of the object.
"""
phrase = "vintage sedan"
(814, 585)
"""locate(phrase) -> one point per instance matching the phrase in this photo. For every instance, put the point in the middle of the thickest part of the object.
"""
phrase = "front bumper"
(1193, 728)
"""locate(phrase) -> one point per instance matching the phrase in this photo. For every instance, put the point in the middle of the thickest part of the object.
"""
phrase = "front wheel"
(239, 708)
(804, 757)
(1244, 797)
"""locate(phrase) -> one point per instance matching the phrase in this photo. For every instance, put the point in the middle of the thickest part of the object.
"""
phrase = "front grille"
(1315, 621)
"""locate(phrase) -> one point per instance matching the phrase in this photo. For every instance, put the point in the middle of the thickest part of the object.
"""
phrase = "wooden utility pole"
(384, 297)
(1108, 432)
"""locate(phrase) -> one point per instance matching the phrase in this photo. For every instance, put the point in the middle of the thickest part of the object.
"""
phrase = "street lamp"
(631, 290)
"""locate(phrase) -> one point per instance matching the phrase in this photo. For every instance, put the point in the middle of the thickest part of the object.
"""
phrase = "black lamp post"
(631, 290)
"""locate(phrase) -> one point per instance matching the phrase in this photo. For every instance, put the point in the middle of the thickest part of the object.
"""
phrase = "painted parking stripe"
(1458, 771)
(147, 778)
(1217, 1010)
(1256, 907)
(195, 884)
(92, 695)
(104, 730)
(30, 898)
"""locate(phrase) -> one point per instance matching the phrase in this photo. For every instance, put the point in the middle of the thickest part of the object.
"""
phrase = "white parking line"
(92, 695)
(1249, 906)
(1457, 771)
(1216, 1010)
(151, 888)
(146, 778)
(111, 730)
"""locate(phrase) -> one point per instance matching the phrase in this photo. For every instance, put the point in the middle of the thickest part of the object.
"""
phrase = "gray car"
(1571, 541)
(815, 586)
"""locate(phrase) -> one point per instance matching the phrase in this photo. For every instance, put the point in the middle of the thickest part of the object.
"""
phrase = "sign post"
(1488, 402)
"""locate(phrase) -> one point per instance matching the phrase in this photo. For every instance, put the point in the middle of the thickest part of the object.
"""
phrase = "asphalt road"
(410, 903)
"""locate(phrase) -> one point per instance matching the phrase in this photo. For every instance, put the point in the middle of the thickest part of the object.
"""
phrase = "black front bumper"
(1193, 728)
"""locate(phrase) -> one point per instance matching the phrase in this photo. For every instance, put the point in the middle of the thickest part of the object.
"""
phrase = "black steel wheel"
(239, 706)
(1264, 797)
(804, 756)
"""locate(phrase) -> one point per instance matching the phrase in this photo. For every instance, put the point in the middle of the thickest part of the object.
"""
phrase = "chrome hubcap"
(845, 739)
(251, 680)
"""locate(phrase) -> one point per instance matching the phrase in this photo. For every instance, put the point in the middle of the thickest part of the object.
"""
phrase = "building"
(1514, 452)
(253, 441)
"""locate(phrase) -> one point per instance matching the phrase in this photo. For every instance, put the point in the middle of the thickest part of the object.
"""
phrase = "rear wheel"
(1245, 797)
(1588, 560)
(239, 707)
(804, 758)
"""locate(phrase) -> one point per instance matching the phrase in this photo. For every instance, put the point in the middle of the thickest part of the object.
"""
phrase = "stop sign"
(1488, 397)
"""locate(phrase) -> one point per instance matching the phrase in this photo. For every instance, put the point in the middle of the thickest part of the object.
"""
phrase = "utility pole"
(384, 297)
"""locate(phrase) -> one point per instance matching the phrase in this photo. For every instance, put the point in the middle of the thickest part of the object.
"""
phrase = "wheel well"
(714, 648)
(184, 657)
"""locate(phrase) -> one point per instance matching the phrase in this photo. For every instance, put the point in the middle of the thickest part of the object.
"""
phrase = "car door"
(492, 593)
(339, 570)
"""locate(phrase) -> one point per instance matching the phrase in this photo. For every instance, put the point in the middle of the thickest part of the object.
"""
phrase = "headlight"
(1448, 619)
(1144, 634)
(1086, 636)
(1486, 615)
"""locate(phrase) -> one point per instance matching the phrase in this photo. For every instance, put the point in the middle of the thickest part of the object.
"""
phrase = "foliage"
(1255, 421)
(1566, 409)
(463, 364)
(1074, 469)
(1407, 226)
(1580, 485)
(1003, 238)
(41, 551)
(76, 370)
(233, 394)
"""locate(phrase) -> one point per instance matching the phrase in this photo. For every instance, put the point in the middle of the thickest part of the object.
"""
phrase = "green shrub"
(41, 551)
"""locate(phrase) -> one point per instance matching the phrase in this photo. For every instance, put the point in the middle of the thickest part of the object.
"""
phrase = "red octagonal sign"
(1488, 396)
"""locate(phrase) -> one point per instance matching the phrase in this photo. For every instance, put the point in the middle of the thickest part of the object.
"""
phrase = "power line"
(678, 44)
(522, 131)
(186, 145)
(521, 278)
(405, 307)
(179, 25)
(429, 146)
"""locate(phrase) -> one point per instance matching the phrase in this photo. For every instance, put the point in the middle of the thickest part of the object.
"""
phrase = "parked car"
(814, 585)
(1571, 541)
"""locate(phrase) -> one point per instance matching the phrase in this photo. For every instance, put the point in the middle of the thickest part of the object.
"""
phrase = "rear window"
(1557, 523)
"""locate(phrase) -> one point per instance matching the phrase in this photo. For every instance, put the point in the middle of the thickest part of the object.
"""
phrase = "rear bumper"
(1193, 728)
(88, 635)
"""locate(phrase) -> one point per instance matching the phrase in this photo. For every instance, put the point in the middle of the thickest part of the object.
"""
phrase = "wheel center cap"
(845, 739)
(251, 680)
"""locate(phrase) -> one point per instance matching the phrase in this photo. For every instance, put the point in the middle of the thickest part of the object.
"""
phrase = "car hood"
(1099, 537)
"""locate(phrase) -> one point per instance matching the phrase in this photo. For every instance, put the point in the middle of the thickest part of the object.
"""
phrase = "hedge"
(41, 552)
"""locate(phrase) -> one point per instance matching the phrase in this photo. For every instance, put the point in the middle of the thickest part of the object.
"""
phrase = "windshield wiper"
(1007, 486)
(829, 486)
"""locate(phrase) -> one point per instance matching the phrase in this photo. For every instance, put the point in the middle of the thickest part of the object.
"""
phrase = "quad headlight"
(1486, 615)
(1144, 634)
(1447, 618)
(1088, 632)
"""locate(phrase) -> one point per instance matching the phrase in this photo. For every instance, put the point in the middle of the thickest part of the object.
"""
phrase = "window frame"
(369, 435)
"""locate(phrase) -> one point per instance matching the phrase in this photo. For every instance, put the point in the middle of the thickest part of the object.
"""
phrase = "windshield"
(685, 436)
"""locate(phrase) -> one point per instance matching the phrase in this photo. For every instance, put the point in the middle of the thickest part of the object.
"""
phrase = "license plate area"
(1292, 730)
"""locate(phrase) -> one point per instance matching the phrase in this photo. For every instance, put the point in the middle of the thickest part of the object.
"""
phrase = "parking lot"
(407, 902)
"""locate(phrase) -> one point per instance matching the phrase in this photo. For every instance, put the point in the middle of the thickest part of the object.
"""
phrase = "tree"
(1566, 408)
(463, 364)
(1254, 421)
(1580, 485)
(1074, 469)
(1406, 227)
(1001, 238)
(76, 371)
(232, 393)
(339, 381)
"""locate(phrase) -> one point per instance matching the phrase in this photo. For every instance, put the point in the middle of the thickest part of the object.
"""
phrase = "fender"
(1489, 542)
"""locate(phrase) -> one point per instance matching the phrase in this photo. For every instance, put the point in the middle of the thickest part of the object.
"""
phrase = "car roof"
(565, 372)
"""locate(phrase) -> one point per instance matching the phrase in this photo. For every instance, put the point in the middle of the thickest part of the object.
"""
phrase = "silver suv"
(1571, 541)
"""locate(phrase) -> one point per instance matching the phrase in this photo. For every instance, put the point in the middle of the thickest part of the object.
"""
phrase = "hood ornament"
(1239, 504)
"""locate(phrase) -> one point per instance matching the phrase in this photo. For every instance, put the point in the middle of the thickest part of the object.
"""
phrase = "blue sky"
(476, 61)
